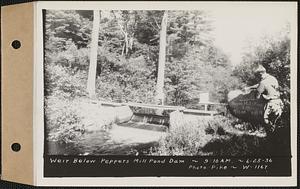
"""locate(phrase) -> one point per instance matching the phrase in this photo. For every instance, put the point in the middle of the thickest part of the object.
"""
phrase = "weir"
(155, 117)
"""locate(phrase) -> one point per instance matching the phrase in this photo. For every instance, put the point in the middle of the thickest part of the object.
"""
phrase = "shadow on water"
(276, 144)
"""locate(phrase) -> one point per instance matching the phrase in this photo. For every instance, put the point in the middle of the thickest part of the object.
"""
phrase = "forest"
(128, 50)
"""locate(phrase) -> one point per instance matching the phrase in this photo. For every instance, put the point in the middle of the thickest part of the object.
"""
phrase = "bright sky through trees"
(240, 25)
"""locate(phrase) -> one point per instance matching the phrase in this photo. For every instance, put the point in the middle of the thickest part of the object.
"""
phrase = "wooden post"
(205, 107)
(91, 83)
(161, 60)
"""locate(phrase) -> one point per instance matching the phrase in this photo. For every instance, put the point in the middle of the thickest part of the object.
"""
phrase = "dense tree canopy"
(128, 50)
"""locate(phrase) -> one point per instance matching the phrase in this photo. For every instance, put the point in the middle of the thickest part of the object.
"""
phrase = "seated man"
(267, 88)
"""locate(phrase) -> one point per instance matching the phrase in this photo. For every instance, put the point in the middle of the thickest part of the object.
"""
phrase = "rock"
(96, 117)
(233, 94)
(245, 106)
(123, 114)
(176, 119)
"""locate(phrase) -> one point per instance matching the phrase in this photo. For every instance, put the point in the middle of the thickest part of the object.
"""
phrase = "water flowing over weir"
(148, 122)
(158, 117)
(136, 129)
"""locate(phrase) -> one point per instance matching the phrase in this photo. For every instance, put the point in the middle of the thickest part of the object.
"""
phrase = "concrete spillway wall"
(169, 117)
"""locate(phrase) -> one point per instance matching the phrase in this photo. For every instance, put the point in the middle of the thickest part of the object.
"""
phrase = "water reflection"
(117, 141)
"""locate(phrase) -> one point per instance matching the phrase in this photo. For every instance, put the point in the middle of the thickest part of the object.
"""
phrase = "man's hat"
(260, 69)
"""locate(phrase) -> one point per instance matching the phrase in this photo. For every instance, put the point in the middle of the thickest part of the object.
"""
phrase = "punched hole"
(16, 44)
(16, 147)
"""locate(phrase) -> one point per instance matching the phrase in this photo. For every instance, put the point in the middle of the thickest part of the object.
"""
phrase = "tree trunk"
(161, 60)
(126, 42)
(91, 83)
(124, 32)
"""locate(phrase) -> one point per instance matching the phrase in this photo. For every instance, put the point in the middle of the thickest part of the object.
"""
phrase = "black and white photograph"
(211, 82)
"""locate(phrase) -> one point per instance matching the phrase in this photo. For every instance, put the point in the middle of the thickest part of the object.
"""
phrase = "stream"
(128, 139)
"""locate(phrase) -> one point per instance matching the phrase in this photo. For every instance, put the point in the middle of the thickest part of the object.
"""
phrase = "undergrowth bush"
(189, 138)
(68, 111)
(63, 121)
(219, 136)
(60, 82)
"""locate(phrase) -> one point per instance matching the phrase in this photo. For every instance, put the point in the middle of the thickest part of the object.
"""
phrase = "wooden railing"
(164, 107)
(206, 104)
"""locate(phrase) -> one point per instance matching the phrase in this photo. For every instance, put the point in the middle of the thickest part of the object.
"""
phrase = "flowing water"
(131, 138)
(135, 137)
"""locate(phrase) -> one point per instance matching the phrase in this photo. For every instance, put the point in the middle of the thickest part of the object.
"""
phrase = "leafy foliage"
(274, 54)
(63, 84)
(61, 26)
(128, 54)
(190, 138)
(63, 121)
(196, 72)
